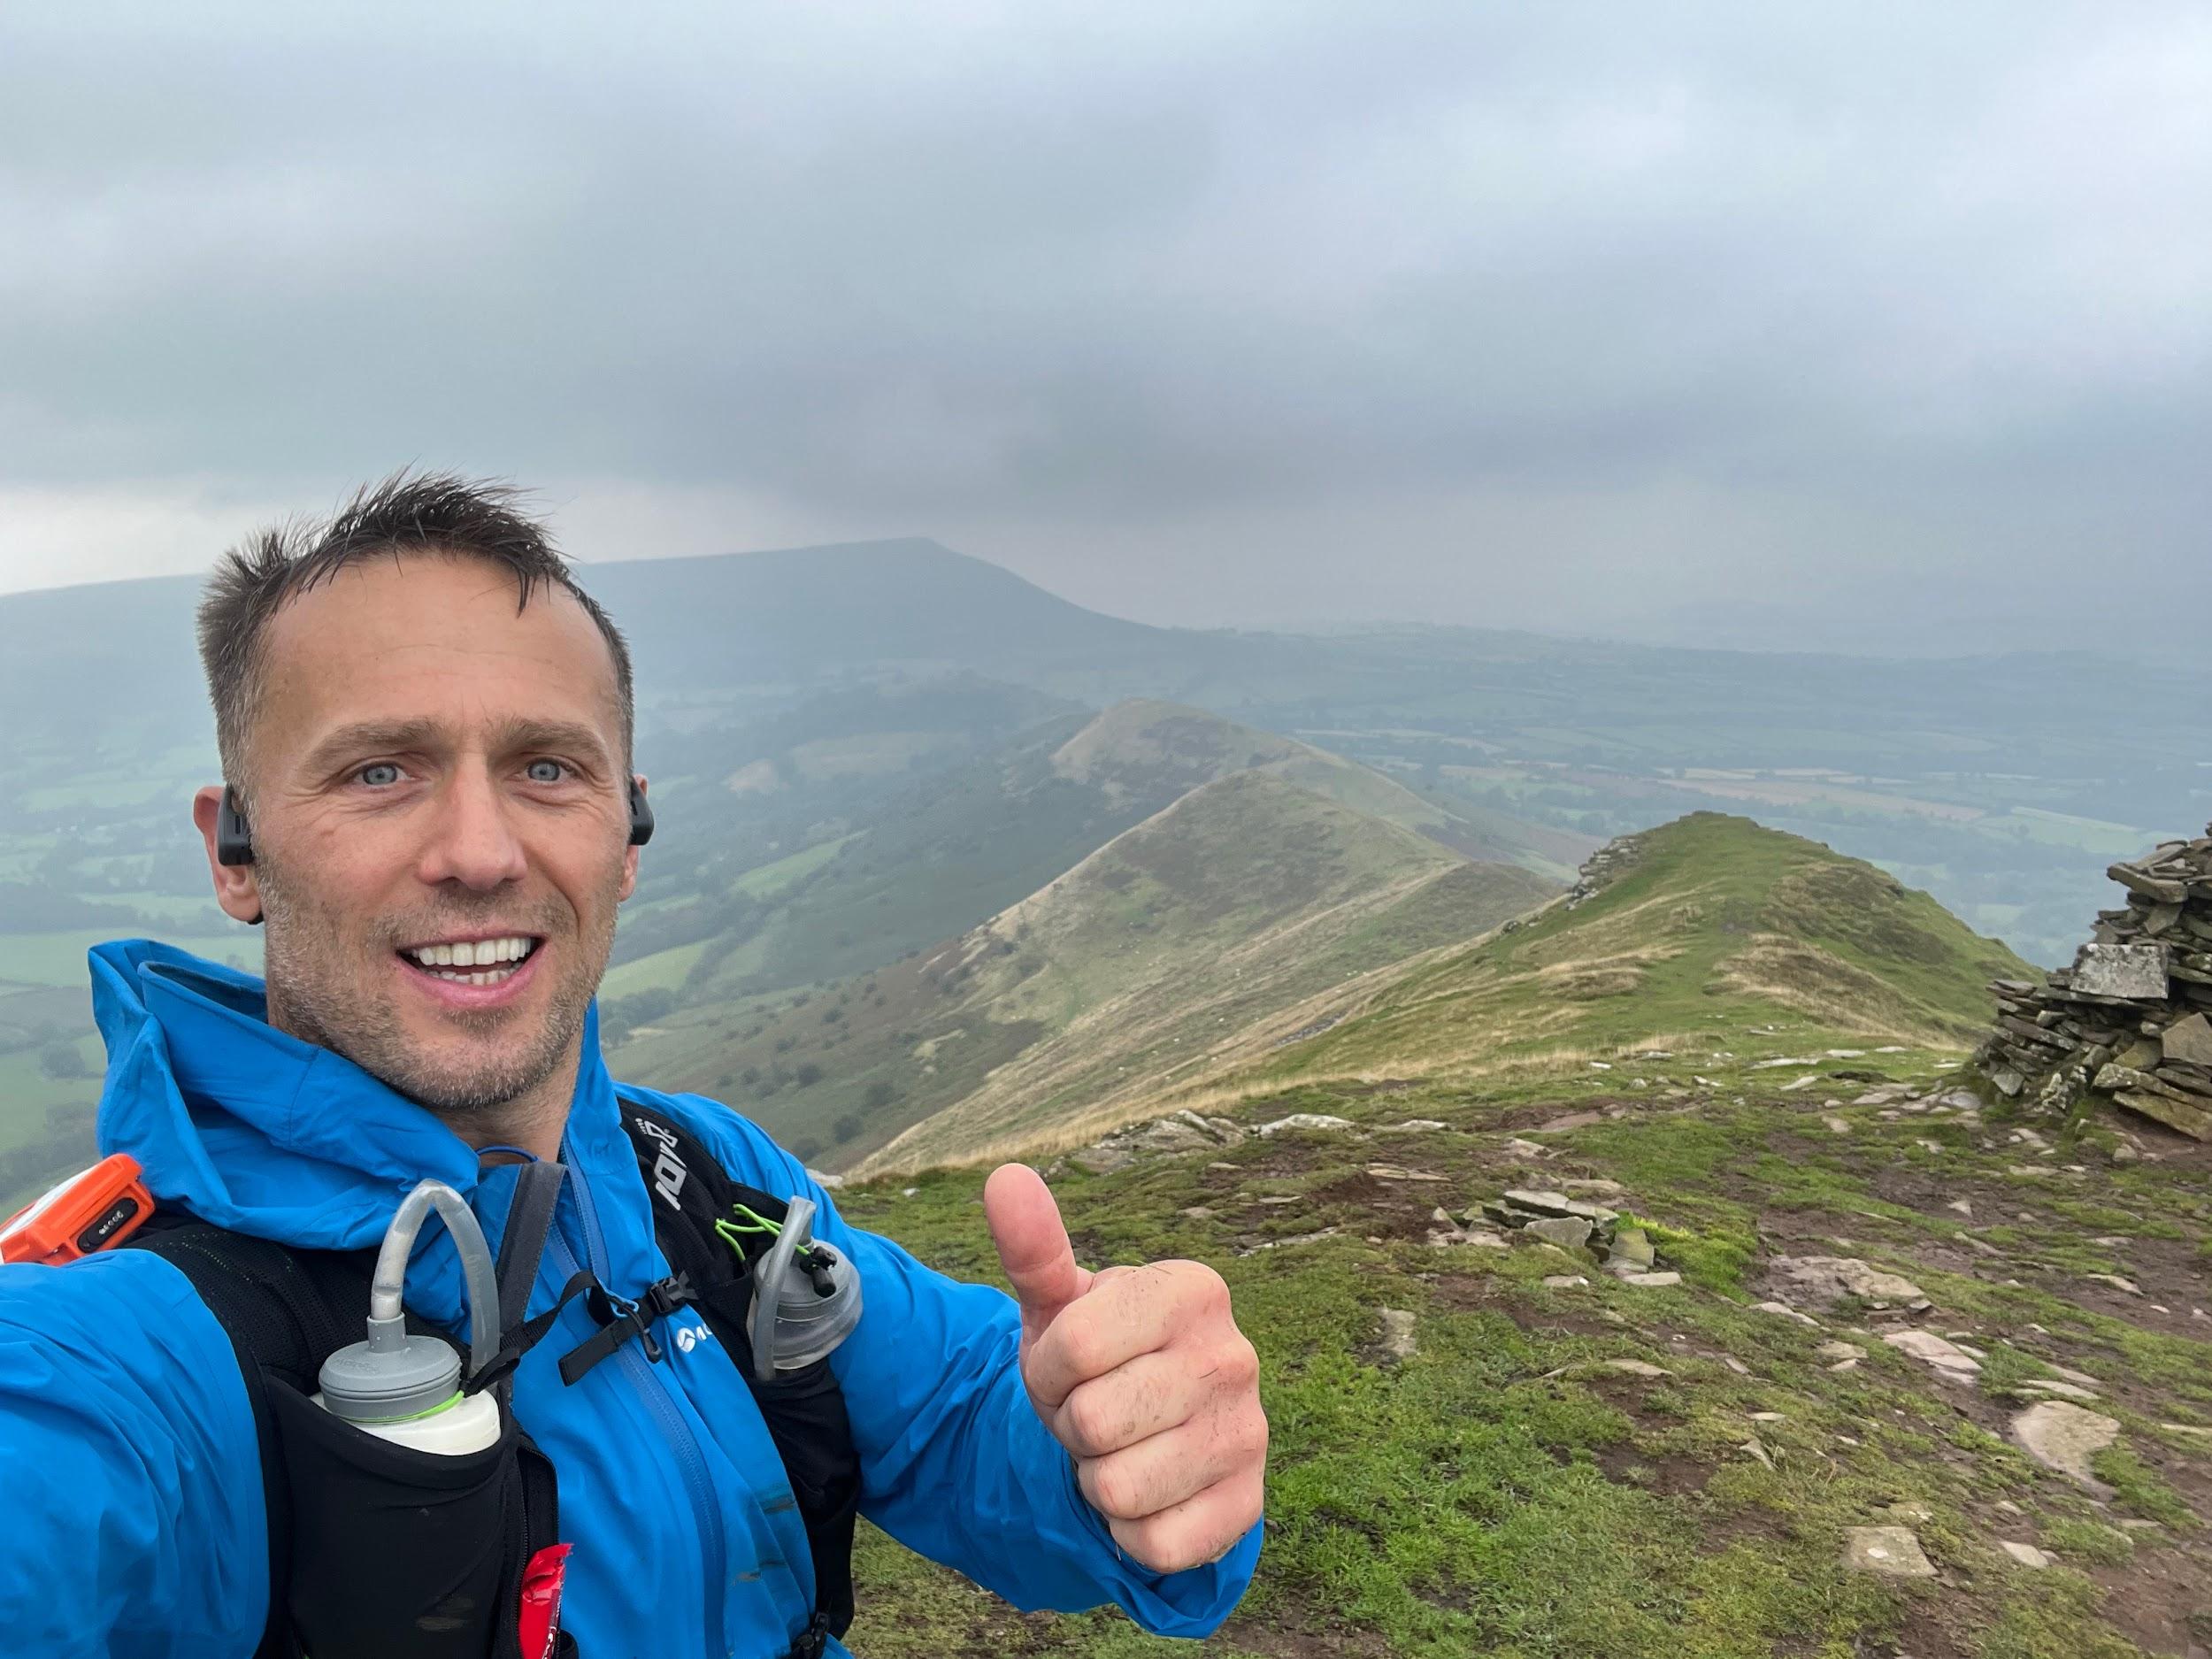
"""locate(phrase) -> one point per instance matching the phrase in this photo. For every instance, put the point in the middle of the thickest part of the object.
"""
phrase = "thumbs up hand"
(1141, 1374)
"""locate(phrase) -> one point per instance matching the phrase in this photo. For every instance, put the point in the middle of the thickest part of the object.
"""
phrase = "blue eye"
(379, 774)
(546, 771)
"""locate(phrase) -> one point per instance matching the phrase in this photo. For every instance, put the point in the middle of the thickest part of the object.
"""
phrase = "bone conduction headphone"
(234, 837)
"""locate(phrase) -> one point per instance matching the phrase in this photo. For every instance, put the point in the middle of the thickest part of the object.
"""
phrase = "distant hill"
(1105, 983)
(780, 874)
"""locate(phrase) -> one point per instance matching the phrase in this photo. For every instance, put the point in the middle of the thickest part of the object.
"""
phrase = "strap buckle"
(620, 1319)
(812, 1642)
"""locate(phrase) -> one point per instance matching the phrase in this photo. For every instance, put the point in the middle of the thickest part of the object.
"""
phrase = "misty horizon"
(1878, 331)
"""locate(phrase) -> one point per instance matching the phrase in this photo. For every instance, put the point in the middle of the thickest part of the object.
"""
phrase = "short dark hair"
(408, 512)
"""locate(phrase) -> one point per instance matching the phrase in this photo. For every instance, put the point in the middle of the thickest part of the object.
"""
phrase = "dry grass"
(1803, 976)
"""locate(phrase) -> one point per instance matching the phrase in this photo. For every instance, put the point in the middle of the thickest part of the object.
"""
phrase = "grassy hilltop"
(1486, 1444)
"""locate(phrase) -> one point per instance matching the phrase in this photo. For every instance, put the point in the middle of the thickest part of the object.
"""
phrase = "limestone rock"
(1840, 1350)
(2134, 972)
(1101, 1160)
(1891, 1551)
(2028, 1556)
(2189, 1041)
(1785, 1310)
(1951, 1364)
(1319, 1122)
(1832, 1278)
(1631, 1252)
(1569, 1232)
(1537, 1202)
(2185, 1119)
(1563, 1281)
(1651, 1281)
(1398, 1345)
(2064, 1390)
(2064, 1437)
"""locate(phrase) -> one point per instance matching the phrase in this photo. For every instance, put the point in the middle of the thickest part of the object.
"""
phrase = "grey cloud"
(1158, 303)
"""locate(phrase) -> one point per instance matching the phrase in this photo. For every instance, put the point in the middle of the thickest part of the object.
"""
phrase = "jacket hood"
(254, 1130)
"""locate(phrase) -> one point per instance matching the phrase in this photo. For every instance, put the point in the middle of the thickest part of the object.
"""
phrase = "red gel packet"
(540, 1622)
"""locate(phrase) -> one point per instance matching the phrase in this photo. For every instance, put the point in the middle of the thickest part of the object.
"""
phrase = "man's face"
(441, 826)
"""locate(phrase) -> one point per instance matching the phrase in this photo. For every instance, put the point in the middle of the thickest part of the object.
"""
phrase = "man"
(426, 728)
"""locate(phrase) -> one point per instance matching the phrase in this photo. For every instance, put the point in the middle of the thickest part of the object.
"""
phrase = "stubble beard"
(315, 994)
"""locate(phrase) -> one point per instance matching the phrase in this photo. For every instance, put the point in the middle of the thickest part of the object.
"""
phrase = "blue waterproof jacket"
(131, 1513)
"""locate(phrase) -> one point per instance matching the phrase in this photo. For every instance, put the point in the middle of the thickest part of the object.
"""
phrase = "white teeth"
(471, 954)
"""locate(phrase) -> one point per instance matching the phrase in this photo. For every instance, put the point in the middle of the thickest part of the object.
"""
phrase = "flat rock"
(1412, 1124)
(1602, 1189)
(1891, 1551)
(1569, 1232)
(1539, 1201)
(1319, 1122)
(1398, 1173)
(1572, 1120)
(1101, 1160)
(1170, 1134)
(2176, 1116)
(1784, 1310)
(2028, 1556)
(2189, 1040)
(1840, 1350)
(1563, 1281)
(1651, 1281)
(1521, 1148)
(1832, 1278)
(1637, 1368)
(1398, 1345)
(1951, 1364)
(2064, 1437)
(2131, 972)
(2063, 1390)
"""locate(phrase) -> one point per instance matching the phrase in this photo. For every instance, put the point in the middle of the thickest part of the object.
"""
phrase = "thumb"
(1032, 1246)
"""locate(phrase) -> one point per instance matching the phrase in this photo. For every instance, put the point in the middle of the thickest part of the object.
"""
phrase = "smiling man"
(430, 805)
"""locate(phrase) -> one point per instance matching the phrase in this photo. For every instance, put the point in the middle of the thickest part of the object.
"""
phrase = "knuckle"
(1114, 1489)
(1240, 1365)
(1087, 1418)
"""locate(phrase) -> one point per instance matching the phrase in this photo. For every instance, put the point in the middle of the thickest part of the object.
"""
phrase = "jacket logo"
(690, 1336)
(668, 1173)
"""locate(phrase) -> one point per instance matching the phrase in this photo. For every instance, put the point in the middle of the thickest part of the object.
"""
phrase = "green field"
(59, 958)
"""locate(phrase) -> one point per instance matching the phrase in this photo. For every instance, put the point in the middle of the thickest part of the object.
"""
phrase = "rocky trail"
(1832, 1356)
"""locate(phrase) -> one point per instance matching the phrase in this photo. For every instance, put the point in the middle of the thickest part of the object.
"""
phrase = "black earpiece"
(640, 815)
(234, 840)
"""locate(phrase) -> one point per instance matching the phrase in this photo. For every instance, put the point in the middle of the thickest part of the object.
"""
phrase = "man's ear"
(629, 854)
(235, 888)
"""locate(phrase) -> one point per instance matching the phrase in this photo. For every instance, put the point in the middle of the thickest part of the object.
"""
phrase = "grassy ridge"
(1716, 918)
(1507, 1491)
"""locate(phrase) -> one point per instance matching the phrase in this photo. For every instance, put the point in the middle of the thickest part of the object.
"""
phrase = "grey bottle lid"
(791, 1323)
(390, 1376)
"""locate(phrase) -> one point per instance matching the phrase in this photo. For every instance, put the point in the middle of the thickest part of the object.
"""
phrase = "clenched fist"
(1141, 1374)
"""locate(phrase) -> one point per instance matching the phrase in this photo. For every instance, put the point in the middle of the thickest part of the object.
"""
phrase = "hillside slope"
(1678, 931)
(1244, 896)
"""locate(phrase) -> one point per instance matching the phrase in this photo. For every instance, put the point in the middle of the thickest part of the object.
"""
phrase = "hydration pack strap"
(620, 1319)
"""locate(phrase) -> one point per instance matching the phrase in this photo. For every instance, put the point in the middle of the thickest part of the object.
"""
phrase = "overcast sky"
(1851, 325)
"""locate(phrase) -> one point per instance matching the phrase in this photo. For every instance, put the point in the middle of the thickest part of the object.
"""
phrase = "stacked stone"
(2130, 1022)
(1604, 867)
(1574, 1223)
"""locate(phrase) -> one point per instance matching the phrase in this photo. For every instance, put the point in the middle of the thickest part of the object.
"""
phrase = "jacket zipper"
(655, 1392)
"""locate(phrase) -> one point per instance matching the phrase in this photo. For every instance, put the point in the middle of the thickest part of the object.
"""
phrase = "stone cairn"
(2130, 1022)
